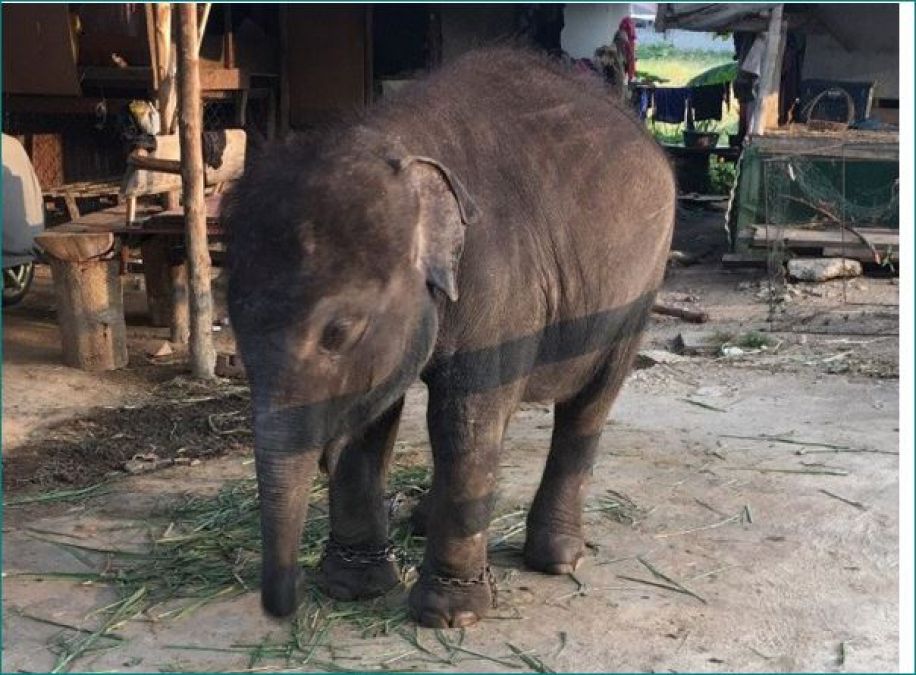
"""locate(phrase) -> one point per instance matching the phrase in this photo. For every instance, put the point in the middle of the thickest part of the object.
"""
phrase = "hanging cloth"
(706, 101)
(670, 104)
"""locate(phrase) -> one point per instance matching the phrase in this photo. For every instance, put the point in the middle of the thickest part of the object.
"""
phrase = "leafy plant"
(722, 176)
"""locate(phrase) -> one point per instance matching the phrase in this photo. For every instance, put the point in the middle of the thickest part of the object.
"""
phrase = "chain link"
(362, 555)
(485, 577)
(373, 555)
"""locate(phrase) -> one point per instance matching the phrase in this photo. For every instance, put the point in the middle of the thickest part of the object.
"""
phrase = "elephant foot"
(351, 573)
(419, 517)
(446, 602)
(553, 552)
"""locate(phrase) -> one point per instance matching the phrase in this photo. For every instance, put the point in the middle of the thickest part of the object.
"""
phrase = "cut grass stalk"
(532, 661)
(858, 505)
(731, 519)
(58, 624)
(810, 472)
(618, 507)
(61, 495)
(707, 506)
(814, 444)
(706, 406)
(122, 612)
(664, 577)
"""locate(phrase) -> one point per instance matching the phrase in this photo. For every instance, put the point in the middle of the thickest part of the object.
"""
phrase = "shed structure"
(819, 172)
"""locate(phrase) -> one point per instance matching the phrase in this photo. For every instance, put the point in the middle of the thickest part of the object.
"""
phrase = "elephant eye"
(340, 334)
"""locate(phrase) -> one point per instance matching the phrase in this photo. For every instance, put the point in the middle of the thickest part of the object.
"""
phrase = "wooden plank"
(880, 147)
(877, 237)
(190, 122)
(155, 164)
(860, 253)
(223, 79)
(738, 260)
(110, 219)
(85, 189)
(114, 76)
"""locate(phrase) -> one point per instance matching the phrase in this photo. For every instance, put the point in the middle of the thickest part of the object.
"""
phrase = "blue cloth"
(671, 104)
(706, 101)
(645, 102)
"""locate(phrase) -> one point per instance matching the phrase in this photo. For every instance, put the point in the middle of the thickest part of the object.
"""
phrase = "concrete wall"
(588, 26)
(870, 52)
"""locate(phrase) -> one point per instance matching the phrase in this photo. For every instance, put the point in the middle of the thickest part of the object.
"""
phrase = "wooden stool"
(90, 306)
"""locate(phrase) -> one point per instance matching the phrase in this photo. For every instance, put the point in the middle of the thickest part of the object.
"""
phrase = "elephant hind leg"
(555, 543)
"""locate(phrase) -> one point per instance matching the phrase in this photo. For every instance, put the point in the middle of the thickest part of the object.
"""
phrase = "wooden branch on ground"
(690, 315)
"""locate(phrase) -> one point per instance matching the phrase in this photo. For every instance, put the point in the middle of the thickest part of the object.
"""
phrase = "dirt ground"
(743, 514)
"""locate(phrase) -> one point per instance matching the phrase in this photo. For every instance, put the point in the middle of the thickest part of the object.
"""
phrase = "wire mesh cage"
(830, 191)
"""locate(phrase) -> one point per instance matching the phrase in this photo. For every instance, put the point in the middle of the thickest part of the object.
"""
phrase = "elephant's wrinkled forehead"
(342, 225)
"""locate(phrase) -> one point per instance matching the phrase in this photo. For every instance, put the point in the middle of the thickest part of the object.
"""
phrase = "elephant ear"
(446, 208)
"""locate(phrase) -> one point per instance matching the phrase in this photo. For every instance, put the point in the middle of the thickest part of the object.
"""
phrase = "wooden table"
(107, 238)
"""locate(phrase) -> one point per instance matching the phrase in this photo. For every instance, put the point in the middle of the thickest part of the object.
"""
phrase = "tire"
(16, 282)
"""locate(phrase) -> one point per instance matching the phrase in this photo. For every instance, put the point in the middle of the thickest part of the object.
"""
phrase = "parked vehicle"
(23, 218)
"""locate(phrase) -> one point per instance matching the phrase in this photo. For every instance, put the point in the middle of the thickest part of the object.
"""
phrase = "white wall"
(587, 27)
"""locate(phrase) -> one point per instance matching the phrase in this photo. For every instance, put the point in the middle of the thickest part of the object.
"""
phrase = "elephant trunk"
(284, 483)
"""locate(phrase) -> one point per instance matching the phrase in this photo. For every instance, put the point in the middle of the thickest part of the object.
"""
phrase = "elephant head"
(340, 252)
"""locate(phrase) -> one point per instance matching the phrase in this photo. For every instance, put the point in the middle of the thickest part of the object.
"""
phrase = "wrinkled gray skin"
(498, 230)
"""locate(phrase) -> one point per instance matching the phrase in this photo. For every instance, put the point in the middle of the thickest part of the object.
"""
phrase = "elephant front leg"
(358, 561)
(454, 587)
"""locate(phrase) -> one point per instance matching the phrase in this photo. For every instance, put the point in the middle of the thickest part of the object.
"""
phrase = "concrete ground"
(788, 548)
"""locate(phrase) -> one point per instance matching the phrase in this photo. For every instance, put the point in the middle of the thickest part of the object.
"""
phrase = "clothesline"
(675, 104)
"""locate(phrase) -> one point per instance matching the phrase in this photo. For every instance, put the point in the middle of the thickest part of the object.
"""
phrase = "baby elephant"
(498, 230)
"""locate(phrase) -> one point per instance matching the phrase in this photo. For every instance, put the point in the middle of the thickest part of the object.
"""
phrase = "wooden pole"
(190, 126)
(165, 64)
(203, 26)
(167, 302)
(766, 110)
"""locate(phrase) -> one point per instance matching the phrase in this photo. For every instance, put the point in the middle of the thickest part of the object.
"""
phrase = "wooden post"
(166, 273)
(165, 64)
(766, 110)
(167, 303)
(90, 306)
(190, 125)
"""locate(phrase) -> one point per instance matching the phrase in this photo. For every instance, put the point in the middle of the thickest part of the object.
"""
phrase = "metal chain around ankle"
(362, 555)
(485, 577)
